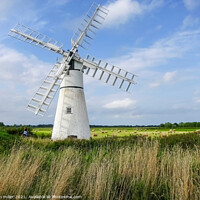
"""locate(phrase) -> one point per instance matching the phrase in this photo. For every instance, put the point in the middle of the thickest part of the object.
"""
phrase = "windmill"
(71, 119)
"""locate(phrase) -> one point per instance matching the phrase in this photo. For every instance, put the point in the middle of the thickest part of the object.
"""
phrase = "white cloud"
(21, 73)
(114, 107)
(128, 116)
(197, 100)
(20, 77)
(120, 11)
(154, 85)
(191, 4)
(18, 68)
(160, 52)
(184, 107)
(5, 6)
(197, 91)
(190, 21)
(169, 76)
(124, 103)
(25, 12)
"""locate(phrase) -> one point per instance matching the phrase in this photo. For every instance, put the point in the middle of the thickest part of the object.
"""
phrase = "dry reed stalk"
(61, 174)
(18, 173)
(176, 170)
(135, 167)
(97, 179)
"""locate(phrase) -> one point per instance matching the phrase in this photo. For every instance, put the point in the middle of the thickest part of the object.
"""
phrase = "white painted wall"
(77, 122)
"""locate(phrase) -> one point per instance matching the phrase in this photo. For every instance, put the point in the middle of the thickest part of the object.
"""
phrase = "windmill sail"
(28, 35)
(110, 74)
(93, 19)
(46, 92)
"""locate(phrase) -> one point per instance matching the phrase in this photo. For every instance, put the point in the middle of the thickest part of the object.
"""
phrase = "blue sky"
(159, 40)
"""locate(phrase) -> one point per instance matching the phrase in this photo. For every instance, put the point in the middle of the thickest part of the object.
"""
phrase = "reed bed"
(142, 170)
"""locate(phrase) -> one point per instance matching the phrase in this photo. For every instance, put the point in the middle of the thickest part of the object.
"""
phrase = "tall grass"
(18, 171)
(139, 171)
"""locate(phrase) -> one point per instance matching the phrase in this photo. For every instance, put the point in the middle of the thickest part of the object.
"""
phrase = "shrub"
(184, 140)
(18, 130)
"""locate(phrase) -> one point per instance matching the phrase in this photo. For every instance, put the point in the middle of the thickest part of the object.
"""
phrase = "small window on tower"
(69, 110)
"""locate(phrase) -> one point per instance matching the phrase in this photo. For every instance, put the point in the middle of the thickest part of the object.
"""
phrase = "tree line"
(164, 125)
(181, 125)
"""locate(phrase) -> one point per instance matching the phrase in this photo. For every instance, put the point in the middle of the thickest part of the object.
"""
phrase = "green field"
(117, 164)
(103, 132)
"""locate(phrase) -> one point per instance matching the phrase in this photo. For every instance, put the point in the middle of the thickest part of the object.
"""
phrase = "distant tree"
(181, 124)
(2, 124)
(193, 124)
(174, 125)
(168, 125)
(162, 125)
(187, 124)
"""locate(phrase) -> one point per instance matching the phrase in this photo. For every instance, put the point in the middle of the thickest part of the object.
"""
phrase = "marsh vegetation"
(130, 167)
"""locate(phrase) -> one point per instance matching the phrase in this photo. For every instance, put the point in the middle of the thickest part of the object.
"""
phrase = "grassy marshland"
(132, 167)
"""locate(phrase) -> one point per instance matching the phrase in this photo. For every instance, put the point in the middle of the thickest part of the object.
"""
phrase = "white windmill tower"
(71, 119)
